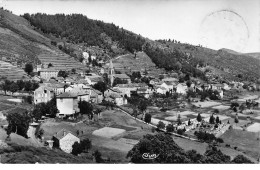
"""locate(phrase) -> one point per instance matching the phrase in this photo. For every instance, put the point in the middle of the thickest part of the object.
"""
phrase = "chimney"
(64, 133)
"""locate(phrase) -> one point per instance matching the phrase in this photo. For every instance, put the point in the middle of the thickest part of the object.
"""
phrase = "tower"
(111, 72)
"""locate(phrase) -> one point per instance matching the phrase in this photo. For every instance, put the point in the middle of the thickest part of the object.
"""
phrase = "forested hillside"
(80, 29)
(168, 54)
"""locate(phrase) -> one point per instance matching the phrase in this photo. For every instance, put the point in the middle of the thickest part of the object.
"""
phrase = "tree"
(20, 83)
(189, 122)
(101, 86)
(14, 87)
(6, 86)
(28, 68)
(239, 159)
(160, 125)
(147, 118)
(86, 108)
(76, 148)
(236, 119)
(18, 123)
(63, 74)
(86, 144)
(212, 119)
(98, 157)
(199, 118)
(169, 128)
(179, 119)
(50, 65)
(217, 120)
(73, 70)
(142, 106)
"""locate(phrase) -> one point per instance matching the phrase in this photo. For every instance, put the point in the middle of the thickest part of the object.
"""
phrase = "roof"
(121, 76)
(115, 95)
(67, 95)
(169, 83)
(63, 132)
(41, 88)
(57, 85)
(96, 91)
(82, 81)
(48, 70)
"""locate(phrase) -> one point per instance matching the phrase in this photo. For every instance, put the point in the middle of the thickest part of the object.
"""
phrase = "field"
(206, 104)
(254, 127)
(108, 132)
(245, 141)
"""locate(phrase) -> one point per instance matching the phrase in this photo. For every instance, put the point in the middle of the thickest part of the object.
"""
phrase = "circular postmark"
(224, 29)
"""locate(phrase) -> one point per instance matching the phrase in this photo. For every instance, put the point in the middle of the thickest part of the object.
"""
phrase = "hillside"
(20, 44)
(255, 55)
(60, 39)
(30, 155)
(227, 65)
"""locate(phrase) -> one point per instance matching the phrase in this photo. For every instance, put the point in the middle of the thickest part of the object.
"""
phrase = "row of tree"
(19, 85)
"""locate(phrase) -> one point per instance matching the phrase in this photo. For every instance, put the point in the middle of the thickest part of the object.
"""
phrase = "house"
(48, 73)
(217, 86)
(36, 78)
(118, 99)
(126, 89)
(122, 77)
(82, 94)
(144, 91)
(69, 81)
(43, 94)
(161, 90)
(110, 91)
(96, 96)
(93, 79)
(181, 88)
(64, 140)
(57, 88)
(67, 104)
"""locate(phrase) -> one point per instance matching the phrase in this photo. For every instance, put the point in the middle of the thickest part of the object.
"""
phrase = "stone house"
(64, 140)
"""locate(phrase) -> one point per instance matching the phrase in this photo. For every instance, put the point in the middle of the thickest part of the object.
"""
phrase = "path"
(32, 138)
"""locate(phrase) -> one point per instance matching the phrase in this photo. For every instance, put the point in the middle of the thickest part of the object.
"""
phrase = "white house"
(67, 104)
(64, 140)
(161, 90)
(181, 88)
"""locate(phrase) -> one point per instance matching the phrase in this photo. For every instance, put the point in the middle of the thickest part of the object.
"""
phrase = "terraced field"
(11, 72)
(23, 43)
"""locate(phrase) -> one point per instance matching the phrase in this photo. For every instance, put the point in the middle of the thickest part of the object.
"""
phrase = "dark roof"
(63, 132)
(67, 95)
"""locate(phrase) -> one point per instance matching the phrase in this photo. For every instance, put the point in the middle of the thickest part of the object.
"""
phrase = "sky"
(232, 24)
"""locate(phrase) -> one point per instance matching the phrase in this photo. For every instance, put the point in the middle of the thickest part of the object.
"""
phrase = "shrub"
(180, 131)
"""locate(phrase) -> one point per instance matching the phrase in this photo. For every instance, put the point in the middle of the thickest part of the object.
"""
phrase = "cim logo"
(149, 156)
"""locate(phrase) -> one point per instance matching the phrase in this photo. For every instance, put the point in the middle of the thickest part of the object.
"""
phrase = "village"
(114, 105)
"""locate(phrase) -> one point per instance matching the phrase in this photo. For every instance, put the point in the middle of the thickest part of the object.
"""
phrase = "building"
(96, 96)
(64, 140)
(93, 79)
(181, 88)
(58, 88)
(67, 104)
(43, 94)
(48, 73)
(161, 90)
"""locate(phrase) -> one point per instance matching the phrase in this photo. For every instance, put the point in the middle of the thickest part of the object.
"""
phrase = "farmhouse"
(181, 88)
(64, 140)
